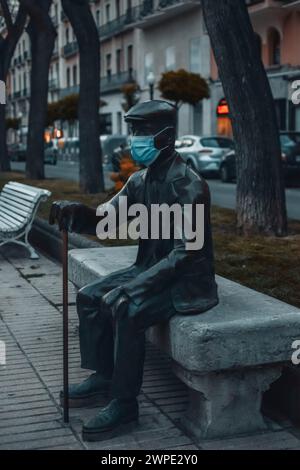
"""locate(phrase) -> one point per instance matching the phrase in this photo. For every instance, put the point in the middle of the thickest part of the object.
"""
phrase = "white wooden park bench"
(18, 206)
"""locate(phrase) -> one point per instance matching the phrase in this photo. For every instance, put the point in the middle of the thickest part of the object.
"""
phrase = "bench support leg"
(26, 244)
(226, 403)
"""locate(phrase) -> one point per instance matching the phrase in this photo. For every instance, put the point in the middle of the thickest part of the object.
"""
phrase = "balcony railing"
(108, 84)
(55, 53)
(115, 82)
(278, 3)
(71, 90)
(26, 55)
(70, 49)
(53, 84)
(25, 93)
(112, 27)
(16, 95)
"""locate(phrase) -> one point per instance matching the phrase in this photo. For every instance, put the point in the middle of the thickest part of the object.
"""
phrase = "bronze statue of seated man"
(166, 279)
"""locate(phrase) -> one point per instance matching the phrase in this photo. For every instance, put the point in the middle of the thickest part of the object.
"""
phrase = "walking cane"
(65, 326)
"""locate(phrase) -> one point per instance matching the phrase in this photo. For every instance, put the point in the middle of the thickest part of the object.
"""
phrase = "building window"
(195, 55)
(198, 118)
(119, 122)
(274, 43)
(74, 75)
(148, 65)
(67, 36)
(24, 81)
(118, 9)
(130, 58)
(68, 77)
(98, 17)
(258, 43)
(118, 60)
(107, 9)
(108, 65)
(105, 123)
(281, 113)
(170, 58)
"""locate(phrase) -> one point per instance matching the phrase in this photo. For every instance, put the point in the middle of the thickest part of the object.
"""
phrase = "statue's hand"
(114, 300)
(68, 215)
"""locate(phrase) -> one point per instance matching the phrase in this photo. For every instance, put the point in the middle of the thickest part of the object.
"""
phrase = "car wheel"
(225, 178)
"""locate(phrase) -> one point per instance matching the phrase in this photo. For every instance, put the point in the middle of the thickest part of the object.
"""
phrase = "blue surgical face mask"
(143, 149)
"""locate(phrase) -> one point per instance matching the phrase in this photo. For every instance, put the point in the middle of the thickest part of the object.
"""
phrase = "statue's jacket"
(187, 274)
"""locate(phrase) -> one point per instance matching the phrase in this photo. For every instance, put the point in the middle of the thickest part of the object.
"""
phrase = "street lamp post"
(19, 132)
(151, 82)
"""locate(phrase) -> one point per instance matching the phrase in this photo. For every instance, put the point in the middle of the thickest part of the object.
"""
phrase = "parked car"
(51, 152)
(109, 144)
(204, 154)
(17, 152)
(68, 149)
(290, 154)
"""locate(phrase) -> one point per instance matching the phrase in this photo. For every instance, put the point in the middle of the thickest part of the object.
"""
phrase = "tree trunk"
(7, 48)
(4, 159)
(42, 36)
(82, 21)
(260, 189)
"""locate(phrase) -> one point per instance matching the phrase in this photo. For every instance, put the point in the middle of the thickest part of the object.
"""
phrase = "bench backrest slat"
(25, 211)
(16, 218)
(29, 189)
(9, 221)
(21, 188)
(4, 225)
(5, 196)
(20, 196)
(16, 202)
(18, 205)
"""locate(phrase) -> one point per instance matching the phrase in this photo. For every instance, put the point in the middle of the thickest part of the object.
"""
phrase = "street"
(223, 194)
(65, 170)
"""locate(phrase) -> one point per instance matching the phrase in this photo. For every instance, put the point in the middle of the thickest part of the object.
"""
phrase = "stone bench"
(228, 357)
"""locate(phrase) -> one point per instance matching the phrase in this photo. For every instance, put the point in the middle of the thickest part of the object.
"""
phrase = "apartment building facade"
(277, 27)
(140, 39)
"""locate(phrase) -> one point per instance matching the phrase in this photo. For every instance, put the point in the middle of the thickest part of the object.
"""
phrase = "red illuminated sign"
(223, 108)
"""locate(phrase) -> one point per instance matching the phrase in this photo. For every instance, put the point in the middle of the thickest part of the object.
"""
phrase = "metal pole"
(65, 326)
(151, 92)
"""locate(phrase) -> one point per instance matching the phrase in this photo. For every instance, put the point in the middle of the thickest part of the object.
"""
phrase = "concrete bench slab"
(228, 356)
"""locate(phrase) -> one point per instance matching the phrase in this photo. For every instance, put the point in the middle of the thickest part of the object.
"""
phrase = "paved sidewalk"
(30, 415)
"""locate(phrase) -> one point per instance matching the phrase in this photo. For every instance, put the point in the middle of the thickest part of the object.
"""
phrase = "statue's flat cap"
(154, 110)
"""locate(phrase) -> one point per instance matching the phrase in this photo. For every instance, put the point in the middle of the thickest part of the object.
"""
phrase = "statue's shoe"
(92, 391)
(115, 419)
